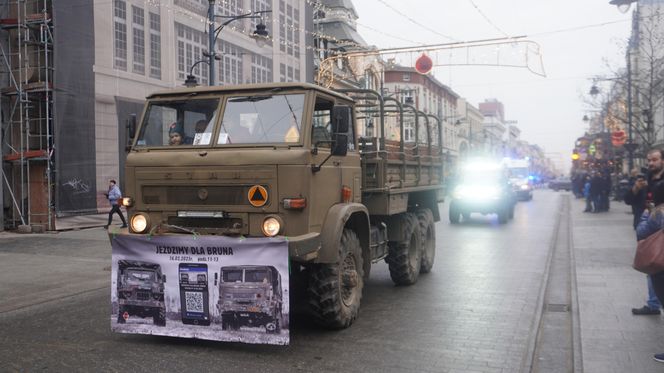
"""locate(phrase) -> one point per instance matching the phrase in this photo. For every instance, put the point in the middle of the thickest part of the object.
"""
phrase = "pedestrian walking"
(639, 197)
(586, 194)
(114, 194)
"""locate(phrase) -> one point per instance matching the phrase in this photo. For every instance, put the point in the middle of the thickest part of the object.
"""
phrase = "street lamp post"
(213, 33)
(630, 147)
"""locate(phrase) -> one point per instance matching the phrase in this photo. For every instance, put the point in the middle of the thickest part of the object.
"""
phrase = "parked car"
(561, 183)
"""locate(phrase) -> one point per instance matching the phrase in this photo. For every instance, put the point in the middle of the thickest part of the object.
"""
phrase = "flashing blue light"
(531, 177)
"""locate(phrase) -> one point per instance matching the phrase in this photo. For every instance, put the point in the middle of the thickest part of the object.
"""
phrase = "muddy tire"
(404, 259)
(159, 317)
(428, 239)
(335, 290)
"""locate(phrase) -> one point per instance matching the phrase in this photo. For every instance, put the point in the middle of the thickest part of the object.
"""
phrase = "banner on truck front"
(206, 287)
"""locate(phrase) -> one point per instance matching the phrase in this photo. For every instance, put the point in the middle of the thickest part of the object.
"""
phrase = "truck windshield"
(140, 275)
(255, 276)
(232, 276)
(262, 119)
(518, 172)
(178, 122)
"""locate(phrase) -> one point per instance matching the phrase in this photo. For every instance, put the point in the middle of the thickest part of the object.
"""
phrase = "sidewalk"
(612, 339)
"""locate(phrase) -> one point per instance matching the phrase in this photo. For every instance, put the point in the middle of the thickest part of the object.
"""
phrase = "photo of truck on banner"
(205, 287)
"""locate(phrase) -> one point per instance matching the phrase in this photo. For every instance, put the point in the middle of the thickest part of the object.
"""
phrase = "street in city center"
(500, 298)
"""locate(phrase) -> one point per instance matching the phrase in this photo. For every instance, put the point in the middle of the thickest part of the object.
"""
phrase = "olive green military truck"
(350, 177)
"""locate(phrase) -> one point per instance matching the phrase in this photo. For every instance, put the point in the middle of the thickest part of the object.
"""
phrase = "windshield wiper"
(249, 98)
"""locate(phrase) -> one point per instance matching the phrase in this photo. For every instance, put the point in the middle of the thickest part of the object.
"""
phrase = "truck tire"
(335, 290)
(455, 214)
(428, 240)
(503, 215)
(159, 317)
(404, 259)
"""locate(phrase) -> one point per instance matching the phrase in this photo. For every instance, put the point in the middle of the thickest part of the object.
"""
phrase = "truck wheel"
(159, 317)
(428, 239)
(335, 290)
(503, 215)
(404, 258)
(455, 214)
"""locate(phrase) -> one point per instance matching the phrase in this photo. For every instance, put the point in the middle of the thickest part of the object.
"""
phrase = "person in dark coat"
(596, 190)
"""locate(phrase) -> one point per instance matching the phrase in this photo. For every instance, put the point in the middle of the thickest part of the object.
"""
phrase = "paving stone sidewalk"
(612, 339)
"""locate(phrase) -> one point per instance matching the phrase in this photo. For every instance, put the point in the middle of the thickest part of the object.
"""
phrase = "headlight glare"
(127, 202)
(139, 223)
(271, 226)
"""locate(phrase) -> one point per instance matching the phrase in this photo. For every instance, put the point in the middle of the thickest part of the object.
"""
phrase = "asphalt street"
(482, 308)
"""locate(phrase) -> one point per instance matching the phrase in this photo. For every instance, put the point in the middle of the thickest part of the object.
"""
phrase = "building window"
(120, 35)
(406, 77)
(409, 131)
(138, 17)
(189, 49)
(155, 46)
(282, 72)
(282, 32)
(258, 6)
(261, 69)
(230, 66)
(231, 7)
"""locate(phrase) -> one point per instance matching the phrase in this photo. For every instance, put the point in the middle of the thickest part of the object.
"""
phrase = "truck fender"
(352, 215)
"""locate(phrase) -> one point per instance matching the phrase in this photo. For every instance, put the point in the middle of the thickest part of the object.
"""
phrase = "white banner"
(207, 287)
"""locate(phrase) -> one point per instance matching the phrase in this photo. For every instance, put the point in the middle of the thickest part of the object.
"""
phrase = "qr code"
(194, 301)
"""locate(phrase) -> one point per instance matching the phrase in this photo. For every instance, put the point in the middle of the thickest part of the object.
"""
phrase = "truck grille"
(143, 295)
(243, 295)
(224, 223)
(195, 195)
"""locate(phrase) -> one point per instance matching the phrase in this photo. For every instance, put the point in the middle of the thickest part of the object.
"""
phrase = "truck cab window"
(192, 119)
(321, 131)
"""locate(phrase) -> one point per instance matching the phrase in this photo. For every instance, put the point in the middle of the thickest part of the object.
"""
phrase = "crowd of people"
(595, 187)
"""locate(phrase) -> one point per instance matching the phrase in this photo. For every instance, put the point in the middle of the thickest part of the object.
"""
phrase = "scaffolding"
(26, 48)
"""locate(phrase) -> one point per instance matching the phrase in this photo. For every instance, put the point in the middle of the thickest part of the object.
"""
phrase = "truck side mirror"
(216, 278)
(341, 118)
(163, 277)
(131, 130)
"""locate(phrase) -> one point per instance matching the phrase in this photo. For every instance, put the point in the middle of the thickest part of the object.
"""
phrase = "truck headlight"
(127, 202)
(271, 226)
(139, 223)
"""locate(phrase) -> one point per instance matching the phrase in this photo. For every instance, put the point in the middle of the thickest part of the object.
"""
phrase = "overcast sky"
(549, 110)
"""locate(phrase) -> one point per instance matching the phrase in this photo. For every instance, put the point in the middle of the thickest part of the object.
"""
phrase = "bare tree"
(644, 75)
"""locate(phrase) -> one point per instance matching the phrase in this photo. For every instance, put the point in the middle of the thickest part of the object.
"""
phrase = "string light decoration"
(501, 52)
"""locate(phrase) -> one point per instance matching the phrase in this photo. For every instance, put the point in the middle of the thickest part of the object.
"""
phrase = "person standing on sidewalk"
(652, 221)
(638, 197)
(113, 195)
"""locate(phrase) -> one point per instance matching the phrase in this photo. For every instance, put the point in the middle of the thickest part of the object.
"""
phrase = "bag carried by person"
(649, 256)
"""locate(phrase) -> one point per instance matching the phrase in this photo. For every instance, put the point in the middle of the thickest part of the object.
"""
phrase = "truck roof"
(122, 264)
(240, 267)
(247, 88)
